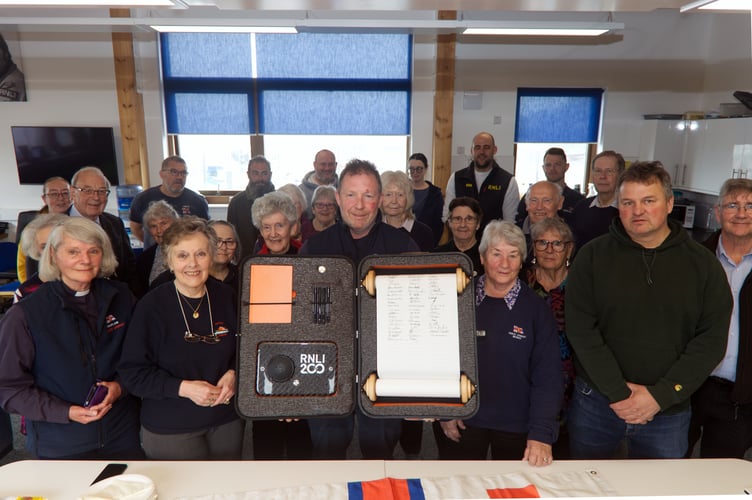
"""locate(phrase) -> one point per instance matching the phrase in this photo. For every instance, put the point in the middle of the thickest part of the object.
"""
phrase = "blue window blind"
(558, 115)
(303, 84)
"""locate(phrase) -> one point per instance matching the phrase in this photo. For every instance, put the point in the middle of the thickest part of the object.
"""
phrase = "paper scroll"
(417, 336)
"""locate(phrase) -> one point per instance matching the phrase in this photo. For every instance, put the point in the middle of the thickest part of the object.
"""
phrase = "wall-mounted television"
(44, 152)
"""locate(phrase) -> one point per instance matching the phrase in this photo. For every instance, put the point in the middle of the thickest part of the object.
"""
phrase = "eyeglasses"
(176, 172)
(229, 243)
(469, 219)
(324, 206)
(557, 245)
(734, 207)
(604, 171)
(416, 170)
(92, 192)
(57, 194)
(192, 338)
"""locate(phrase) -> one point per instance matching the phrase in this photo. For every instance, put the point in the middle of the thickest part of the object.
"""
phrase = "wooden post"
(443, 104)
(131, 107)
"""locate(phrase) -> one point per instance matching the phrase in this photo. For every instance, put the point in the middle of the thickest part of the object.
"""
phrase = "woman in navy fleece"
(179, 354)
(519, 375)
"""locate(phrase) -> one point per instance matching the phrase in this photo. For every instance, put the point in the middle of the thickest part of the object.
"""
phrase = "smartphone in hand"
(96, 395)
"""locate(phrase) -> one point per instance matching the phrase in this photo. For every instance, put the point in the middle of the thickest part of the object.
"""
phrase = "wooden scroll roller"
(422, 389)
(369, 282)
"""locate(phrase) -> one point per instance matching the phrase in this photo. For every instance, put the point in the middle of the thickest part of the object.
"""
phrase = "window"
(219, 162)
(286, 87)
(550, 117)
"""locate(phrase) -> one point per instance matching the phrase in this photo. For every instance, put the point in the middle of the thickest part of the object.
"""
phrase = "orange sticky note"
(270, 294)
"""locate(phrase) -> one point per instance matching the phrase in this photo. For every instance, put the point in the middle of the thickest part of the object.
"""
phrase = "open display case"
(397, 336)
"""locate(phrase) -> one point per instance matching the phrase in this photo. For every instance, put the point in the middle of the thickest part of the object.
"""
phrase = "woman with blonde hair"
(33, 241)
(397, 208)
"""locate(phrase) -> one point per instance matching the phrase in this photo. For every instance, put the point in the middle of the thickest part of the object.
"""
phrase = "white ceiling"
(417, 16)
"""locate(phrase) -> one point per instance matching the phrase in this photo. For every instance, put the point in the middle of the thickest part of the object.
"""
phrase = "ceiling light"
(88, 3)
(532, 28)
(742, 5)
(182, 28)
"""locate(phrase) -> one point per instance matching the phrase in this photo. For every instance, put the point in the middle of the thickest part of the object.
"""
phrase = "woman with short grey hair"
(151, 263)
(84, 231)
(324, 210)
(301, 206)
(503, 233)
(275, 216)
(179, 355)
(60, 348)
(518, 363)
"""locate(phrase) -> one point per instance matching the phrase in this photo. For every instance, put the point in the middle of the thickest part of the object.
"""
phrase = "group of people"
(605, 325)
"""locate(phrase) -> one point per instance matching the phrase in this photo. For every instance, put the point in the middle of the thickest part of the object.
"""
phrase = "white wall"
(69, 81)
(666, 63)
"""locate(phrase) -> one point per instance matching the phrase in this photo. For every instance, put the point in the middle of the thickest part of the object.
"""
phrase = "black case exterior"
(258, 342)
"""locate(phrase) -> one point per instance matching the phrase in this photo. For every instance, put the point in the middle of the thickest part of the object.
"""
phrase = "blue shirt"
(736, 274)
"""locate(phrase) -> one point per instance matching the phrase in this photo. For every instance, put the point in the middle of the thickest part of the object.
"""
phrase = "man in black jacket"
(495, 189)
(239, 209)
(722, 406)
(89, 190)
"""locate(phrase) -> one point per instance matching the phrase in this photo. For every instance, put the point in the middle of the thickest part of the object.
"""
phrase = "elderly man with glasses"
(90, 190)
(174, 173)
(592, 216)
(722, 406)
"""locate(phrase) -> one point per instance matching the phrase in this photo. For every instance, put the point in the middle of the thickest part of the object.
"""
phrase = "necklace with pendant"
(194, 309)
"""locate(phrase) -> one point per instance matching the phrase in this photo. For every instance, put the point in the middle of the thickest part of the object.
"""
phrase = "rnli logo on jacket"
(517, 333)
(112, 323)
(220, 330)
(494, 187)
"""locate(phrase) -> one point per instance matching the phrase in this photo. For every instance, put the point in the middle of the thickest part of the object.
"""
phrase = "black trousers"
(475, 441)
(6, 434)
(725, 427)
(276, 440)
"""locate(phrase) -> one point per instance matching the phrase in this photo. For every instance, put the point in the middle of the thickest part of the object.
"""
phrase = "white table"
(627, 477)
(69, 479)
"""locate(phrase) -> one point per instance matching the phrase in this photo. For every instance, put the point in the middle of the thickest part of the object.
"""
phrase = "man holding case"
(647, 314)
(360, 233)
